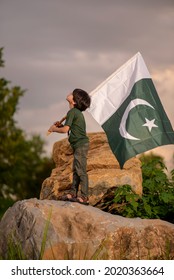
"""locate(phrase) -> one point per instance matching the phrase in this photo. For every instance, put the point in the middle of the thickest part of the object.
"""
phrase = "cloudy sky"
(52, 47)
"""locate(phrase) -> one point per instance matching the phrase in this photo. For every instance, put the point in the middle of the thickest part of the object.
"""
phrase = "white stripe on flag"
(110, 94)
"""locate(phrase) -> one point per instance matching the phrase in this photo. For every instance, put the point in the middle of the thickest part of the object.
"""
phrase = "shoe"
(67, 197)
(81, 199)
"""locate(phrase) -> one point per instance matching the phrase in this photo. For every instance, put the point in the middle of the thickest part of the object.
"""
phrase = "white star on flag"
(150, 124)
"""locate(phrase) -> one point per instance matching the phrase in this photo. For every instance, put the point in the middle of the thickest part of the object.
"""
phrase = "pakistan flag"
(129, 110)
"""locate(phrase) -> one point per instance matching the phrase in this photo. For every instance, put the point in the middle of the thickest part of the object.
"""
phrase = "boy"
(75, 125)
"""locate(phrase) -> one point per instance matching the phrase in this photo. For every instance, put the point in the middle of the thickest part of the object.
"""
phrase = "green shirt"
(76, 121)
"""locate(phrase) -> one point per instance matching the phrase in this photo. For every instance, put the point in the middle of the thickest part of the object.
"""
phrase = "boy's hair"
(81, 98)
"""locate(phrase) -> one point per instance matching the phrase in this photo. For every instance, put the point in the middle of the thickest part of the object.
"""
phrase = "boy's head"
(81, 99)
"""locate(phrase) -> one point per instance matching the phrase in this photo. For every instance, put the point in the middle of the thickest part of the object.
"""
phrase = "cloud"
(164, 82)
(37, 28)
(52, 47)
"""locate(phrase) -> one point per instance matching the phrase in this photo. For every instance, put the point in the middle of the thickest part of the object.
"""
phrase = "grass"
(15, 252)
(14, 248)
(44, 238)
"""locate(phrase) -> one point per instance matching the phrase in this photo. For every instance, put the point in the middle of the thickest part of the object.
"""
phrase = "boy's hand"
(58, 127)
(52, 128)
(58, 124)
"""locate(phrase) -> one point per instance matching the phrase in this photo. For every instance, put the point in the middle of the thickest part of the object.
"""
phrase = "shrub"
(157, 200)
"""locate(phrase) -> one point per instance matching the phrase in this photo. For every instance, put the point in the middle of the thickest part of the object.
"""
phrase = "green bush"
(157, 200)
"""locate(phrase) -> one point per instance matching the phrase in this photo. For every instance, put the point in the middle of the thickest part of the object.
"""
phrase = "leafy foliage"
(158, 188)
(157, 200)
(23, 164)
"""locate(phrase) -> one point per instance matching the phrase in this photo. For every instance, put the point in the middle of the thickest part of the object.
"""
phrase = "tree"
(23, 164)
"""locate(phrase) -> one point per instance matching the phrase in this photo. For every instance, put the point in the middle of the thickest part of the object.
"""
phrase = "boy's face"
(70, 99)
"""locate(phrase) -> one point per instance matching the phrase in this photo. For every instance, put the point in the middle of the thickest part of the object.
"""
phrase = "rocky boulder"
(103, 170)
(76, 231)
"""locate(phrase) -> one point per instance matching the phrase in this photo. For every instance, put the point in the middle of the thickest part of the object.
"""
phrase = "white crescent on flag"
(131, 105)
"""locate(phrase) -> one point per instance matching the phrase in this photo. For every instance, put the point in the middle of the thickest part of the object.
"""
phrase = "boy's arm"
(57, 124)
(63, 129)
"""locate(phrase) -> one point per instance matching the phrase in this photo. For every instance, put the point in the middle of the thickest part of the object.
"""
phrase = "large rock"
(83, 232)
(103, 170)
